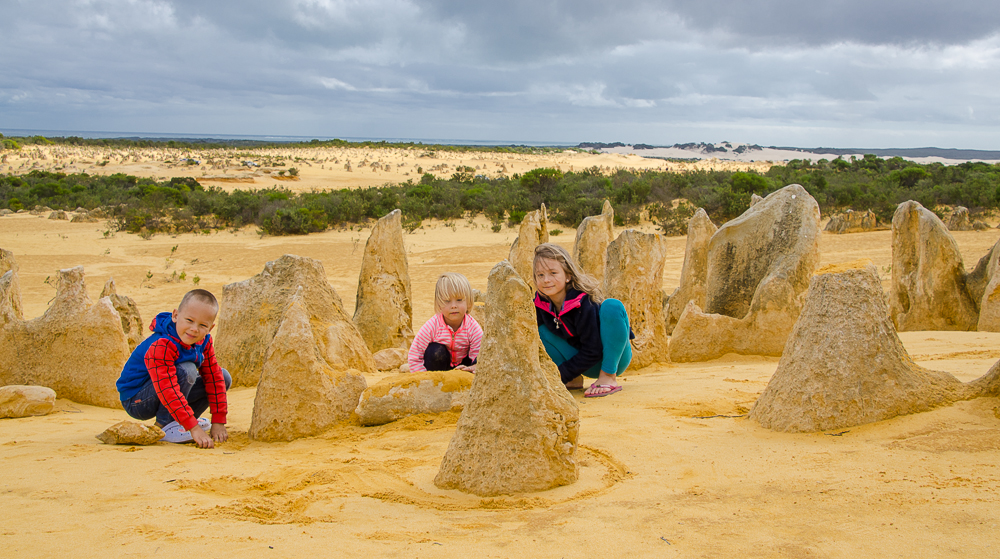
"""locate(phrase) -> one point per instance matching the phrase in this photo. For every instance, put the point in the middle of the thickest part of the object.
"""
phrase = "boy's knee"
(188, 371)
(228, 378)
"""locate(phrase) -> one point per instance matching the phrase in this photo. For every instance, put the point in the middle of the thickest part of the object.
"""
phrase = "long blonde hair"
(578, 279)
(450, 285)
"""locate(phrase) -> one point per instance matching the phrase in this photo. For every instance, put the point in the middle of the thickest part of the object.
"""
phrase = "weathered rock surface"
(389, 358)
(519, 429)
(694, 270)
(634, 275)
(84, 217)
(58, 214)
(408, 394)
(77, 347)
(959, 220)
(19, 400)
(534, 231)
(844, 365)
(754, 199)
(929, 289)
(132, 325)
(759, 266)
(299, 393)
(5, 211)
(593, 236)
(383, 314)
(130, 432)
(252, 310)
(986, 275)
(852, 222)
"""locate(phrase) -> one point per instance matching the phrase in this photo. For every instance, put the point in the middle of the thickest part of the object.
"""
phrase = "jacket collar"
(573, 300)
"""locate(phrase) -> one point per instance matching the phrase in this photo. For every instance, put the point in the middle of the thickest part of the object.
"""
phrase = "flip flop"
(614, 389)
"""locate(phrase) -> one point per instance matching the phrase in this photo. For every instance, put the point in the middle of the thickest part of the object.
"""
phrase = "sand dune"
(324, 168)
(669, 468)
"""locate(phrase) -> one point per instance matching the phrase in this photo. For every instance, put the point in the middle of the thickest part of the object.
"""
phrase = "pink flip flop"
(614, 389)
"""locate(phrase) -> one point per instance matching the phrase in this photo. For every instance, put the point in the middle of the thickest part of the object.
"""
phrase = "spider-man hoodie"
(157, 357)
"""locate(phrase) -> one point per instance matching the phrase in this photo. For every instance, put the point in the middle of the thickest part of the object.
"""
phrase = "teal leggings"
(614, 339)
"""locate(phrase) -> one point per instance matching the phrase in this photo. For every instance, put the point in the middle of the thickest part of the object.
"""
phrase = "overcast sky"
(848, 73)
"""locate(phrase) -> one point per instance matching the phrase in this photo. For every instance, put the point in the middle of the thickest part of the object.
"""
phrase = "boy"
(173, 376)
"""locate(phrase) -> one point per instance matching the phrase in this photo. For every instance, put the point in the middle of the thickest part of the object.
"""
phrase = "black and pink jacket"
(577, 323)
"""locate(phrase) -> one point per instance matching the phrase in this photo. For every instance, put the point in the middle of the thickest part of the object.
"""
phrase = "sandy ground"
(325, 168)
(665, 472)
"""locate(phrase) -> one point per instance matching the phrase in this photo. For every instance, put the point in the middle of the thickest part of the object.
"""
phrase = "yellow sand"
(325, 168)
(666, 471)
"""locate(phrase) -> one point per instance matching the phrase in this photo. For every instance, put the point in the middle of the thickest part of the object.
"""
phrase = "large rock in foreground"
(19, 400)
(408, 394)
(695, 268)
(77, 347)
(844, 365)
(299, 394)
(534, 231)
(519, 429)
(593, 236)
(759, 266)
(928, 290)
(634, 275)
(383, 312)
(252, 310)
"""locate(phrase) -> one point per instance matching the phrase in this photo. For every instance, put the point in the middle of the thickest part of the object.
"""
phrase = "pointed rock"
(132, 323)
(408, 394)
(634, 276)
(76, 348)
(519, 429)
(759, 266)
(252, 310)
(593, 236)
(694, 270)
(299, 393)
(19, 400)
(928, 290)
(534, 231)
(844, 365)
(959, 220)
(383, 313)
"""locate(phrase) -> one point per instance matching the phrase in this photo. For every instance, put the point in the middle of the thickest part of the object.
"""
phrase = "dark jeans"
(145, 405)
(437, 357)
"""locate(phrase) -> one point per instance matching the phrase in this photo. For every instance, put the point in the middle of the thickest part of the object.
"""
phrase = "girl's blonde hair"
(450, 285)
(578, 279)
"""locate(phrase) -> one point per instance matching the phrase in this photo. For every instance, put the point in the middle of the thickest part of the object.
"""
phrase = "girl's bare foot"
(605, 384)
(575, 384)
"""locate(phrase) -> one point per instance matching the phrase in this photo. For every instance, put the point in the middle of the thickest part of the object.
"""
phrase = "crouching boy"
(173, 376)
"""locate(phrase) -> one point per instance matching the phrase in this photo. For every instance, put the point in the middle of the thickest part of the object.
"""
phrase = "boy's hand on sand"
(201, 438)
(219, 433)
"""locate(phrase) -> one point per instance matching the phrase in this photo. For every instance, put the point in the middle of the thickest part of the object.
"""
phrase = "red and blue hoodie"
(157, 357)
(579, 324)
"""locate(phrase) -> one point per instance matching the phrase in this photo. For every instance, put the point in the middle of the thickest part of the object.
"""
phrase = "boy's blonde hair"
(578, 279)
(450, 285)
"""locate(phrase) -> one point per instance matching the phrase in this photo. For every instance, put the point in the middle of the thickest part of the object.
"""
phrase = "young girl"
(584, 334)
(451, 338)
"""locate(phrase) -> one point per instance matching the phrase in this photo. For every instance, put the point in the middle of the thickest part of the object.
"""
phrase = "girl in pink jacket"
(451, 338)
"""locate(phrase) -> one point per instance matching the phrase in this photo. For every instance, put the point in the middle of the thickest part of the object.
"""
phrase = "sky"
(839, 73)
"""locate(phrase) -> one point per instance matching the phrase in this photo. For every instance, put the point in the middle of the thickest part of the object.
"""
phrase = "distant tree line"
(182, 204)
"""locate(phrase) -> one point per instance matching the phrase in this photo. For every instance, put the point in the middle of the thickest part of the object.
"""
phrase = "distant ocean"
(91, 134)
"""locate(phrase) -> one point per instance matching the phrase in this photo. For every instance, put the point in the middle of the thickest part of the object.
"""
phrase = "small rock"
(18, 400)
(408, 394)
(131, 432)
(389, 358)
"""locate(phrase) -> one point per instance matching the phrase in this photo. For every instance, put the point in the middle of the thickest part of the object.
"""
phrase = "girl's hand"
(469, 368)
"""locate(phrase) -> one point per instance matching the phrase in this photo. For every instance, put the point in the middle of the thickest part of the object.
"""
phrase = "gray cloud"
(846, 73)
